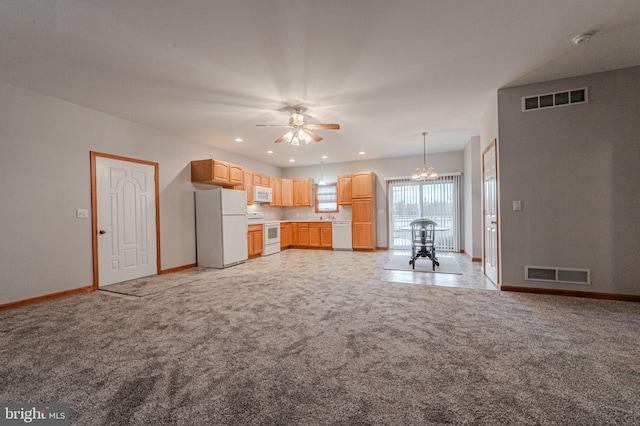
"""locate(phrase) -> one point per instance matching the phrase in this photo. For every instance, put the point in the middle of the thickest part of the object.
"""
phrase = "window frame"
(315, 197)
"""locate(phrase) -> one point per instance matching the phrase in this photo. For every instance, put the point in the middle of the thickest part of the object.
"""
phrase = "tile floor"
(365, 265)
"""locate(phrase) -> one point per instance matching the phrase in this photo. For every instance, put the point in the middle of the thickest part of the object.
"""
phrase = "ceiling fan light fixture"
(288, 136)
(297, 119)
(300, 130)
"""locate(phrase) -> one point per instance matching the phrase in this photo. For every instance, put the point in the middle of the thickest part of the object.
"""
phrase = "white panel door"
(490, 206)
(126, 214)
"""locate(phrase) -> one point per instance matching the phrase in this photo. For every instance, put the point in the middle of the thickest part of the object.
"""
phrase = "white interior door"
(490, 208)
(126, 219)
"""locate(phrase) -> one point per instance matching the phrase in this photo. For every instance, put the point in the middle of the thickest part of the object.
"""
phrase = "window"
(327, 198)
(438, 200)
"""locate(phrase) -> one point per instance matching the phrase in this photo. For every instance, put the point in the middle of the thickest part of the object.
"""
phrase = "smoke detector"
(582, 38)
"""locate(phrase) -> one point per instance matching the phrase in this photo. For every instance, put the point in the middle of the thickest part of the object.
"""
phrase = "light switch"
(82, 213)
(517, 206)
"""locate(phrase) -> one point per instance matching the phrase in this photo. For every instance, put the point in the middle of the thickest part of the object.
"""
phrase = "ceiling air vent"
(550, 100)
(558, 275)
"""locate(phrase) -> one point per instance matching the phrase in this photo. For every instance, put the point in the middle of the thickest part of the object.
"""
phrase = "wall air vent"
(550, 100)
(558, 275)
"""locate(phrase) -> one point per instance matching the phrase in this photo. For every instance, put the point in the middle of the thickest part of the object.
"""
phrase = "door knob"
(102, 232)
(493, 222)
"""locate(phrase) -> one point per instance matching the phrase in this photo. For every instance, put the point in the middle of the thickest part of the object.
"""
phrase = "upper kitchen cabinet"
(362, 185)
(216, 172)
(235, 174)
(287, 192)
(344, 189)
(248, 186)
(302, 192)
(276, 192)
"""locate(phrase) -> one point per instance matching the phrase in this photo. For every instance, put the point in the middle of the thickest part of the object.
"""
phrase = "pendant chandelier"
(322, 182)
(424, 173)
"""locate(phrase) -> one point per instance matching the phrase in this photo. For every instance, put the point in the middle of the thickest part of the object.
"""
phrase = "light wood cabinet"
(285, 235)
(257, 179)
(254, 240)
(362, 236)
(248, 186)
(344, 190)
(326, 239)
(287, 192)
(276, 192)
(311, 234)
(235, 174)
(217, 172)
(314, 235)
(362, 185)
(302, 192)
(295, 235)
(363, 210)
(303, 234)
(266, 181)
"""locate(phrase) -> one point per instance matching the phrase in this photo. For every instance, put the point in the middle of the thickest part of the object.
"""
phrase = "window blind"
(326, 198)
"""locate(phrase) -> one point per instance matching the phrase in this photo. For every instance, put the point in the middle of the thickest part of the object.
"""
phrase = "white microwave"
(262, 194)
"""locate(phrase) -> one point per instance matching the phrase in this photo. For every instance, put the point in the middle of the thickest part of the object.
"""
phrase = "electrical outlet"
(517, 206)
(82, 213)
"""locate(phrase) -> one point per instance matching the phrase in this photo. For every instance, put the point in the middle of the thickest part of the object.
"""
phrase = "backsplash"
(299, 213)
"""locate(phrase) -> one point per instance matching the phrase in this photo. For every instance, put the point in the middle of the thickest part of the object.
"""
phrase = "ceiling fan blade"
(280, 139)
(272, 125)
(324, 126)
(314, 136)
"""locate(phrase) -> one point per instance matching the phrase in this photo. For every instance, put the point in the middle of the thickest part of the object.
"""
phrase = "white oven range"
(270, 232)
(271, 235)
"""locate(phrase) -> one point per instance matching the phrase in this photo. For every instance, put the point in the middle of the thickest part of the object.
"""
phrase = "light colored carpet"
(146, 286)
(292, 339)
(448, 265)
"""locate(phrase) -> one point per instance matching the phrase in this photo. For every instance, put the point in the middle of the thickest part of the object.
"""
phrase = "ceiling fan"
(301, 130)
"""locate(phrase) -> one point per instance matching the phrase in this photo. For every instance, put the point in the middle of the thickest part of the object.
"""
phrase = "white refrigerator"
(221, 227)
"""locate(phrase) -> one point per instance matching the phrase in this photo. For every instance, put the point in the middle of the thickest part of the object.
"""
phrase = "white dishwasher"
(341, 235)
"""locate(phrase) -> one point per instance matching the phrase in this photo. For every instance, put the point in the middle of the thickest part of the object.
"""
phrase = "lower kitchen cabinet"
(326, 236)
(285, 235)
(303, 234)
(254, 240)
(311, 234)
(363, 225)
(362, 236)
(320, 234)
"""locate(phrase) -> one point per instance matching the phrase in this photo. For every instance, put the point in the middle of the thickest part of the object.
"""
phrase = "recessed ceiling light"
(361, 153)
(324, 156)
(269, 152)
(292, 161)
(238, 139)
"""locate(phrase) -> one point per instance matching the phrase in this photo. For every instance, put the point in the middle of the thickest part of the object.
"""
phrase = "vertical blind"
(438, 200)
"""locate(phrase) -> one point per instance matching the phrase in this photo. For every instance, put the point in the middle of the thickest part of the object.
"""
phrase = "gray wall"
(576, 171)
(473, 198)
(45, 177)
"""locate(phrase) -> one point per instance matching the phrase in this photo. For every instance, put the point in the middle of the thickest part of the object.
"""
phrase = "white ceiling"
(210, 70)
